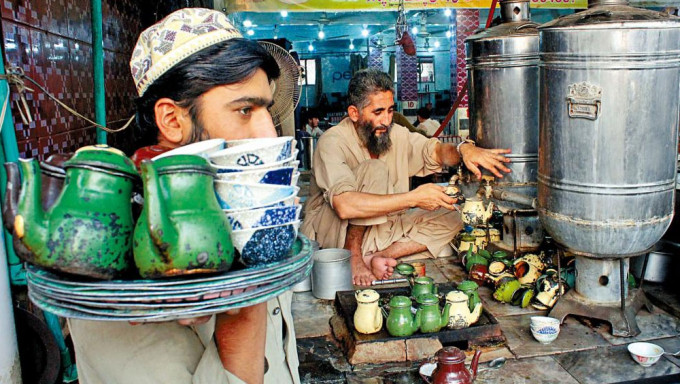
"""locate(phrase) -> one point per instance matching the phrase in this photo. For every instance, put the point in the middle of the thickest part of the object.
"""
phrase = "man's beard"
(377, 145)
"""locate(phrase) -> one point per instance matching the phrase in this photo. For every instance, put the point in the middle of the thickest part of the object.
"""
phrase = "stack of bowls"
(545, 329)
(255, 186)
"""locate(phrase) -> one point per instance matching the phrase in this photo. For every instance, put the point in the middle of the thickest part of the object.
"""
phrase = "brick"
(377, 353)
(422, 348)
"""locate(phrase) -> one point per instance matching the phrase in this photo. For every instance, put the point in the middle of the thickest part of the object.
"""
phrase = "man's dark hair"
(424, 113)
(312, 113)
(228, 62)
(365, 83)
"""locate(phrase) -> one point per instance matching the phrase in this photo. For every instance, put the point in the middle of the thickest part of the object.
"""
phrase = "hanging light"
(247, 23)
(321, 33)
(250, 32)
(310, 47)
(364, 32)
(447, 12)
(414, 30)
(436, 44)
(284, 13)
(351, 44)
(448, 34)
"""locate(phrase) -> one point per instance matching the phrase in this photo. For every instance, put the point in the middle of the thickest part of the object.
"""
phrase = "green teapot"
(472, 258)
(428, 316)
(181, 229)
(400, 321)
(423, 285)
(88, 229)
(471, 289)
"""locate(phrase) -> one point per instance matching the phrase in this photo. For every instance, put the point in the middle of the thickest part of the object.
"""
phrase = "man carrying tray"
(197, 78)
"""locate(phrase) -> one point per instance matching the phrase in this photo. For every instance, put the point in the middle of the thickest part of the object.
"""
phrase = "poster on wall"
(377, 5)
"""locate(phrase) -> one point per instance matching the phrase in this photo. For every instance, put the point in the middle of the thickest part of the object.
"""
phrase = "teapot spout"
(475, 363)
(29, 212)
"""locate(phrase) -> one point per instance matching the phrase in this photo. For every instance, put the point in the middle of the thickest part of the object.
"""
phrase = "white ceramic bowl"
(255, 153)
(263, 217)
(645, 354)
(203, 148)
(235, 196)
(540, 321)
(290, 162)
(264, 245)
(283, 202)
(272, 140)
(279, 176)
(545, 334)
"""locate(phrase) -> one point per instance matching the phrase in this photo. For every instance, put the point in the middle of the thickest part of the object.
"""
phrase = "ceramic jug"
(422, 285)
(474, 213)
(52, 176)
(181, 229)
(457, 311)
(400, 321)
(367, 317)
(428, 315)
(451, 367)
(88, 230)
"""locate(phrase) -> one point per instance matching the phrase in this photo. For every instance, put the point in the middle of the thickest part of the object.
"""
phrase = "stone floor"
(585, 351)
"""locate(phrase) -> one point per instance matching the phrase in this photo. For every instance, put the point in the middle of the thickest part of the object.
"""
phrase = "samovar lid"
(613, 14)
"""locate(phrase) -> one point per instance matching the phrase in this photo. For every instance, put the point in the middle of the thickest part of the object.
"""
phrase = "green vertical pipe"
(98, 70)
(10, 152)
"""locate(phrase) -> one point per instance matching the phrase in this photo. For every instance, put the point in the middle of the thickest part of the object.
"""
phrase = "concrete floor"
(585, 351)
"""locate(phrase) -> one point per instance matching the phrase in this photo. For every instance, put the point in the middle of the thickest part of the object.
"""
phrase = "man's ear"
(353, 113)
(173, 121)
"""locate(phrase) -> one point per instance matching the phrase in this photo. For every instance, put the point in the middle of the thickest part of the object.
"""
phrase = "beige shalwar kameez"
(169, 353)
(343, 164)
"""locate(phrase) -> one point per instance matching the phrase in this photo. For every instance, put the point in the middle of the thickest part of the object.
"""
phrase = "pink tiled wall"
(51, 40)
(467, 21)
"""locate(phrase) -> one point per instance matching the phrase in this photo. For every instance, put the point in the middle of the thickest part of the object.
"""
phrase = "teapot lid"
(405, 268)
(104, 158)
(367, 296)
(400, 302)
(183, 163)
(467, 285)
(450, 355)
(427, 299)
(456, 296)
(423, 280)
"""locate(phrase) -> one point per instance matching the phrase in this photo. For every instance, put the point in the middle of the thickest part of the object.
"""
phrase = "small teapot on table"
(400, 321)
(451, 367)
(428, 316)
(457, 311)
(368, 318)
(474, 213)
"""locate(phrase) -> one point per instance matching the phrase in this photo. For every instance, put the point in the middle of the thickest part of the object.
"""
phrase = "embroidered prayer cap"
(173, 39)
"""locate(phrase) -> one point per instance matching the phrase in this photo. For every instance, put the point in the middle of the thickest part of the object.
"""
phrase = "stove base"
(623, 321)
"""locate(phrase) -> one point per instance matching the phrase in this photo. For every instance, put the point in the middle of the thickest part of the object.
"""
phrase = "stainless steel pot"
(331, 273)
(661, 263)
(610, 101)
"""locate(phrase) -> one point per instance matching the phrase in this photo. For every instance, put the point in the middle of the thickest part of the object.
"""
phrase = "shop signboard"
(373, 5)
(409, 104)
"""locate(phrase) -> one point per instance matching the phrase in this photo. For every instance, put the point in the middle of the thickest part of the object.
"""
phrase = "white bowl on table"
(254, 153)
(645, 354)
(236, 196)
(263, 217)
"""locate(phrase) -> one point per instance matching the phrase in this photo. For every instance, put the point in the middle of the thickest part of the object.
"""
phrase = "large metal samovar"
(502, 65)
(610, 100)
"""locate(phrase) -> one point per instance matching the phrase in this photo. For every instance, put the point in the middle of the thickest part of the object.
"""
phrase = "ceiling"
(343, 28)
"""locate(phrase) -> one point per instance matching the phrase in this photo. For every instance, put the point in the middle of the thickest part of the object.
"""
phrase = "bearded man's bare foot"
(381, 267)
(361, 274)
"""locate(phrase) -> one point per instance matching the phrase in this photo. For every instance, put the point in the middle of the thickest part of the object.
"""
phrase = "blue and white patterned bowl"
(234, 196)
(284, 202)
(272, 140)
(279, 176)
(545, 334)
(255, 153)
(202, 148)
(290, 162)
(258, 246)
(263, 217)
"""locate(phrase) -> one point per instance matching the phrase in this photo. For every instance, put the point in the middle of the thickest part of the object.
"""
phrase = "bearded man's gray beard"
(376, 145)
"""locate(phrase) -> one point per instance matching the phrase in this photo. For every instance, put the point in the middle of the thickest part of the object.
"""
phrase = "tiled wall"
(407, 75)
(51, 41)
(467, 21)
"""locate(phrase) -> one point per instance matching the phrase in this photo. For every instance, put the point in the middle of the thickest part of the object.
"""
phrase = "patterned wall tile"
(467, 21)
(375, 56)
(453, 55)
(28, 148)
(23, 11)
(55, 17)
(407, 76)
(17, 43)
(80, 20)
(82, 82)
